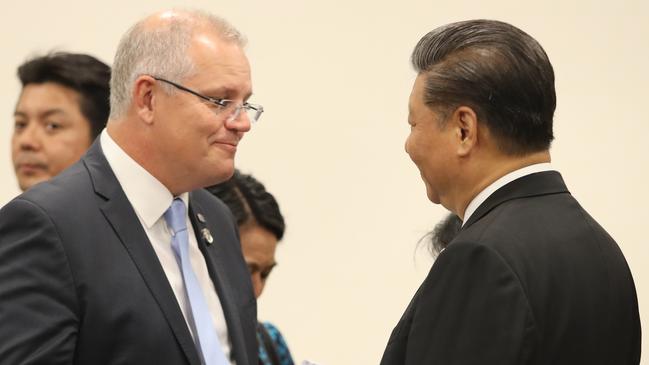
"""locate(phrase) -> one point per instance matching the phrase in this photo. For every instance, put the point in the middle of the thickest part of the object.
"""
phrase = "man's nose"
(29, 138)
(241, 123)
(257, 284)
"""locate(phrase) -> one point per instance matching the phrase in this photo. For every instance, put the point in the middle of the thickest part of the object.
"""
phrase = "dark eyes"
(20, 125)
(49, 126)
(52, 126)
(263, 274)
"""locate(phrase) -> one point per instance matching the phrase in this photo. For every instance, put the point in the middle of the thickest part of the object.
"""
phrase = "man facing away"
(62, 108)
(531, 278)
(122, 258)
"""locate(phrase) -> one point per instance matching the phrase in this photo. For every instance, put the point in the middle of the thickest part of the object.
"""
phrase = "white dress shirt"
(150, 199)
(486, 193)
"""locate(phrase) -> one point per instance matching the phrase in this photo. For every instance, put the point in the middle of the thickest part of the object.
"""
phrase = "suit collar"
(540, 183)
(148, 196)
(500, 182)
(120, 214)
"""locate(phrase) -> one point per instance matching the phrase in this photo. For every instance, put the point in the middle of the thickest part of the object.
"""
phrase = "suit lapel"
(121, 216)
(540, 183)
(213, 252)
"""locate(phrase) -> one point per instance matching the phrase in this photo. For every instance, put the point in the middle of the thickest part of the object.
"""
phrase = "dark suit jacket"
(81, 284)
(530, 279)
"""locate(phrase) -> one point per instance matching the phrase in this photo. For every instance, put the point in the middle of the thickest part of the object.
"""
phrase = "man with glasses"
(123, 258)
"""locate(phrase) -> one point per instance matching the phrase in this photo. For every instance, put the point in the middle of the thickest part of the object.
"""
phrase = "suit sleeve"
(38, 303)
(472, 310)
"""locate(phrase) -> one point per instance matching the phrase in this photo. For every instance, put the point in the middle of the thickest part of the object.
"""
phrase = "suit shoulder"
(68, 187)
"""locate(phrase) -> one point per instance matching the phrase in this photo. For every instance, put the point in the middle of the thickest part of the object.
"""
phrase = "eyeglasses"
(254, 111)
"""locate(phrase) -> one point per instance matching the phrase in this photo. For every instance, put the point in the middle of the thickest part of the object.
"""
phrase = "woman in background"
(261, 227)
(443, 233)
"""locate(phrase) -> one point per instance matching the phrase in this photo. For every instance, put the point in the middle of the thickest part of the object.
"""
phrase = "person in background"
(531, 278)
(62, 108)
(443, 233)
(261, 227)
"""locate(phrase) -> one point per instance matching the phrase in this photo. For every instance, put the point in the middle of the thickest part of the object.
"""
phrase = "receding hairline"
(198, 20)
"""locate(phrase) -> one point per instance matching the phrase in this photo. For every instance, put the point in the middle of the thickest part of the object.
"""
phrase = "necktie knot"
(175, 216)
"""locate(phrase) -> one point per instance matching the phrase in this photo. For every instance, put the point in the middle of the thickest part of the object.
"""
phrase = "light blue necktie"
(206, 338)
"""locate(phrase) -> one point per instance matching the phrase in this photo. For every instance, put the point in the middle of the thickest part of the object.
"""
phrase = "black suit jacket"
(530, 279)
(81, 284)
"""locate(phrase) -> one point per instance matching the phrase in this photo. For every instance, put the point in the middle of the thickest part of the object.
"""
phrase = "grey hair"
(160, 51)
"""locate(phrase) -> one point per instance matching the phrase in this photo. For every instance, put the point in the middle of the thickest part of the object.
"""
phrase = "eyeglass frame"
(223, 103)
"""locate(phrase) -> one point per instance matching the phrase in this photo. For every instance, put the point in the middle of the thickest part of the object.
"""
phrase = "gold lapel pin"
(207, 236)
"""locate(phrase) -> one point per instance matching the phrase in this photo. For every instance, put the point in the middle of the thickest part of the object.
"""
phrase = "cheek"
(15, 146)
(408, 145)
(414, 147)
(62, 153)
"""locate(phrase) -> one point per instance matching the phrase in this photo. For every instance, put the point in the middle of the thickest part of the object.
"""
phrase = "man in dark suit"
(531, 278)
(122, 258)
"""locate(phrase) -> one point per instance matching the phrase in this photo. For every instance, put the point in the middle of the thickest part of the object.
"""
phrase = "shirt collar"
(148, 196)
(504, 180)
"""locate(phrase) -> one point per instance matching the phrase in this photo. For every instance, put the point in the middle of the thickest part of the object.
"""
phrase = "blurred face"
(195, 138)
(258, 245)
(50, 133)
(429, 145)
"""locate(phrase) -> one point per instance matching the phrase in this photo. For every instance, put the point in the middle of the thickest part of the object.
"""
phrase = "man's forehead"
(47, 96)
(415, 92)
(219, 57)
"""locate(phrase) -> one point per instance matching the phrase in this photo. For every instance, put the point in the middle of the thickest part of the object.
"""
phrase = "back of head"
(249, 202)
(158, 45)
(500, 72)
(80, 72)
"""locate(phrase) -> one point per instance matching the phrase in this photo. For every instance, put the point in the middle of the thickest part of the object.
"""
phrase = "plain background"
(334, 78)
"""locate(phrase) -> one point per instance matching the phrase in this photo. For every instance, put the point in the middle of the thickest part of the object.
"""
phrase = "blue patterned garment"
(281, 348)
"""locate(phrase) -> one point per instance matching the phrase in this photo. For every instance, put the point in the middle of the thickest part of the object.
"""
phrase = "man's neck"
(490, 170)
(136, 146)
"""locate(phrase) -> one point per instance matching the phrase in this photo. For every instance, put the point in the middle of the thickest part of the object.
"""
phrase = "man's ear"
(143, 99)
(466, 126)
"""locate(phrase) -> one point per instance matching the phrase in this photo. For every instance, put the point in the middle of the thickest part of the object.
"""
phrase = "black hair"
(249, 201)
(499, 71)
(443, 233)
(82, 73)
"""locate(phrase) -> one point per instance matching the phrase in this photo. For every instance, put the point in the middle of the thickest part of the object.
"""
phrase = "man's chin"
(223, 175)
(27, 182)
(432, 196)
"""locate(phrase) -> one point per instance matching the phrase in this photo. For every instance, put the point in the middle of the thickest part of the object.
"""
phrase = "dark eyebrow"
(45, 113)
(49, 112)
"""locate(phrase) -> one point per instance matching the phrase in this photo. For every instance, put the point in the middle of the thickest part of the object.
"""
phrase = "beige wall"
(334, 78)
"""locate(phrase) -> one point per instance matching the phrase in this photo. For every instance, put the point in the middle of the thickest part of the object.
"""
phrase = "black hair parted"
(499, 71)
(249, 201)
(80, 72)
